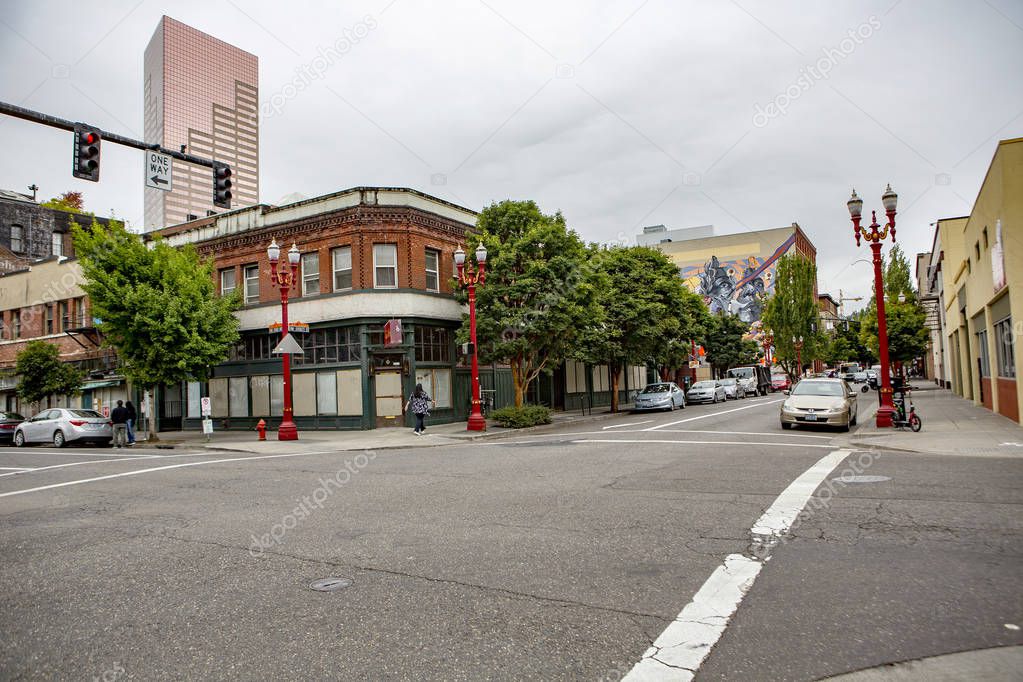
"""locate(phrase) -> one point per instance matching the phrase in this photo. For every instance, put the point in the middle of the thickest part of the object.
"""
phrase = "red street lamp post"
(470, 279)
(875, 234)
(768, 341)
(284, 278)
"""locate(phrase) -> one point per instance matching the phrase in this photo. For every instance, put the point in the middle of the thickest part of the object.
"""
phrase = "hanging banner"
(392, 333)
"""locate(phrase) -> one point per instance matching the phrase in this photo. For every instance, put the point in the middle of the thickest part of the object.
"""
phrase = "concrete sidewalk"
(375, 439)
(951, 426)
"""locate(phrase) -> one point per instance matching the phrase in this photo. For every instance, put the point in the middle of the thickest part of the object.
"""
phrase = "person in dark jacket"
(133, 417)
(420, 403)
(119, 417)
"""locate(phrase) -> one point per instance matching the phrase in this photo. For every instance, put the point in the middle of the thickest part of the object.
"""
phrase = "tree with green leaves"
(907, 329)
(725, 344)
(898, 279)
(157, 306)
(43, 374)
(72, 202)
(646, 311)
(792, 312)
(539, 293)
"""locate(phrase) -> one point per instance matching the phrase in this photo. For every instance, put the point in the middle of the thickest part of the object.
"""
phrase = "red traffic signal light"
(221, 185)
(85, 162)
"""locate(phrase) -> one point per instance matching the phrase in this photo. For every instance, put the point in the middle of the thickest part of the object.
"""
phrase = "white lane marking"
(16, 469)
(618, 426)
(47, 453)
(702, 442)
(780, 434)
(712, 414)
(99, 461)
(163, 468)
(680, 650)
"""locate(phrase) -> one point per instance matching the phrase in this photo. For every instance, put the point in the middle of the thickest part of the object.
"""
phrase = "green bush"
(521, 417)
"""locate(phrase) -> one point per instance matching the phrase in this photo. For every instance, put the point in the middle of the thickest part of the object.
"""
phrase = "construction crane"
(842, 298)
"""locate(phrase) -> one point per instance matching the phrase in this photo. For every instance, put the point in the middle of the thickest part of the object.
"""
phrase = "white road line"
(680, 650)
(703, 442)
(780, 434)
(712, 414)
(98, 461)
(46, 453)
(16, 469)
(618, 426)
(163, 468)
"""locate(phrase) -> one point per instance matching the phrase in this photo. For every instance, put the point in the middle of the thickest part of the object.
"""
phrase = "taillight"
(9, 427)
(78, 422)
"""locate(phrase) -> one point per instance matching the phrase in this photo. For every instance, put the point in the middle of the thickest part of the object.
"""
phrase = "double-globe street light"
(470, 278)
(284, 278)
(875, 234)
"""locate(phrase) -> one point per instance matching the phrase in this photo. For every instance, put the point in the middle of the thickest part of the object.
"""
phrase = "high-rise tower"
(202, 93)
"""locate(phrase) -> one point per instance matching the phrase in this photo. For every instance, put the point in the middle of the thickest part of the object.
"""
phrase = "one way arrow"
(156, 179)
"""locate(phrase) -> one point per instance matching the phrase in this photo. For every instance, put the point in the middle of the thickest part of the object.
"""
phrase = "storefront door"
(389, 398)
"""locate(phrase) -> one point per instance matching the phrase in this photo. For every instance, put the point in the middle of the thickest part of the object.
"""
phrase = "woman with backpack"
(420, 403)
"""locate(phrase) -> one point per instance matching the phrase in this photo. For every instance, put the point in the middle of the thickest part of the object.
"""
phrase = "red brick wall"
(1008, 405)
(360, 228)
(985, 393)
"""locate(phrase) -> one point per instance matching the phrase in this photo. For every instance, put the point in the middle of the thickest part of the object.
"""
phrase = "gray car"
(708, 391)
(664, 395)
(733, 390)
(61, 426)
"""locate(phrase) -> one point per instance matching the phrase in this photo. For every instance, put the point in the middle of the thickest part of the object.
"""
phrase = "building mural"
(739, 286)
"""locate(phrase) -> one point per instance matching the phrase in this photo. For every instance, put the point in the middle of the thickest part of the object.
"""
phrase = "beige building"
(981, 266)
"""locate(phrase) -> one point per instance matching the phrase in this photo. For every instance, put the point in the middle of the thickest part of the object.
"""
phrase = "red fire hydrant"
(261, 428)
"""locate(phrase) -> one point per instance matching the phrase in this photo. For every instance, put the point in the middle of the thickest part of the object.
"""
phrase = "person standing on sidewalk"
(132, 417)
(119, 417)
(420, 403)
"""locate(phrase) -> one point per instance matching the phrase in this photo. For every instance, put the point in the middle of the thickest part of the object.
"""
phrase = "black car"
(8, 422)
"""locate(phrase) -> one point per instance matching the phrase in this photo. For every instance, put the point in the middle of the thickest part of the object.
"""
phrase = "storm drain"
(863, 479)
(330, 584)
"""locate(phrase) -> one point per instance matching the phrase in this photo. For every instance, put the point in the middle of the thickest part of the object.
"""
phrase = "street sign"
(158, 171)
(207, 426)
(288, 345)
(206, 406)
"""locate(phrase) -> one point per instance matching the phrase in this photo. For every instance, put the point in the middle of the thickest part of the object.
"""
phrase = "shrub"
(521, 417)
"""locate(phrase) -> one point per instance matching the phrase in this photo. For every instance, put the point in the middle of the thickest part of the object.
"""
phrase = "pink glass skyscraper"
(202, 93)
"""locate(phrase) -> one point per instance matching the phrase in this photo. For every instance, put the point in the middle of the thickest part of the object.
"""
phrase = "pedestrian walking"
(119, 418)
(132, 420)
(420, 403)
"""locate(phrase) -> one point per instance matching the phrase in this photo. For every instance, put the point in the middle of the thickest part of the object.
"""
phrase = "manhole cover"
(863, 479)
(330, 584)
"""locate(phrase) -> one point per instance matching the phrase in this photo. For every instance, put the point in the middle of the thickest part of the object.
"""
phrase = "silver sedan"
(665, 395)
(828, 402)
(708, 391)
(61, 426)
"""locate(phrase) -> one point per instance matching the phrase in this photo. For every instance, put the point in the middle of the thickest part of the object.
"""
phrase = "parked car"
(8, 423)
(707, 391)
(61, 426)
(755, 379)
(780, 382)
(733, 391)
(828, 402)
(665, 395)
(860, 377)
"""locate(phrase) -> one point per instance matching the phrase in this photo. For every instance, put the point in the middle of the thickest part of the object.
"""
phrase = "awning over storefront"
(106, 383)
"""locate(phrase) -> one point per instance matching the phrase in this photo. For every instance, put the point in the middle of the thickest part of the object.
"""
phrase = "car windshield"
(825, 388)
(741, 372)
(704, 384)
(728, 382)
(88, 414)
(11, 416)
(778, 377)
(657, 388)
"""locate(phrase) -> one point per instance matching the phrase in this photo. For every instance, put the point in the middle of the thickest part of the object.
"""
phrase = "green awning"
(106, 383)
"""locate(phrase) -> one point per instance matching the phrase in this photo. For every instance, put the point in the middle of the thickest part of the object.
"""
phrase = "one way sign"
(158, 171)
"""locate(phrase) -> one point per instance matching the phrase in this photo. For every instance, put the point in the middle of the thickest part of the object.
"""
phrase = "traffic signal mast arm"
(72, 126)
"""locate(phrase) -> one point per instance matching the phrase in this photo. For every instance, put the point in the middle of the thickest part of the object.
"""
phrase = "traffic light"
(86, 153)
(221, 185)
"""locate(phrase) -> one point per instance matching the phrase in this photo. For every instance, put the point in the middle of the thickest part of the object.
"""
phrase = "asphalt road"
(560, 555)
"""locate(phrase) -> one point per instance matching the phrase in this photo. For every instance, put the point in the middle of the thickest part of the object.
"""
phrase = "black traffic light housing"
(85, 163)
(221, 185)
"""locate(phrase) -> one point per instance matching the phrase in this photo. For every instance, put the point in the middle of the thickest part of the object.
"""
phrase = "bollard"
(261, 428)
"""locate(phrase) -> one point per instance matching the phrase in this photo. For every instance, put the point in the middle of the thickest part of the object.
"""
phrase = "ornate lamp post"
(284, 278)
(767, 342)
(798, 345)
(875, 234)
(469, 279)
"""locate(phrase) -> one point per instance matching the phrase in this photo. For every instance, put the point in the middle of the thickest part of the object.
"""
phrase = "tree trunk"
(518, 377)
(151, 436)
(615, 371)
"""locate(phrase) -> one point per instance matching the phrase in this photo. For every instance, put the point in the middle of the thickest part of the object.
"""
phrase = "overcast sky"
(744, 115)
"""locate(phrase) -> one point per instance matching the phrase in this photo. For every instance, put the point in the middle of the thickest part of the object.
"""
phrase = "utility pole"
(842, 299)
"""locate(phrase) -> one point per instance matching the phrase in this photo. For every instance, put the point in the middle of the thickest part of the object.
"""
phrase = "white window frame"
(307, 277)
(245, 277)
(378, 251)
(225, 290)
(57, 244)
(18, 243)
(334, 253)
(435, 271)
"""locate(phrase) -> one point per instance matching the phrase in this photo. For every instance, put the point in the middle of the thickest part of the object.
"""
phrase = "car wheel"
(845, 427)
(19, 439)
(58, 439)
(855, 416)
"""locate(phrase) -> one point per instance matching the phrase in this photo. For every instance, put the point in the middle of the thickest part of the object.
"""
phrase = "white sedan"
(708, 391)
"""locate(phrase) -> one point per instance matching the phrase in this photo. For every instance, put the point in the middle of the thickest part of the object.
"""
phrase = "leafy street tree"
(792, 312)
(158, 307)
(538, 295)
(43, 374)
(845, 345)
(71, 202)
(647, 311)
(897, 277)
(906, 318)
(725, 344)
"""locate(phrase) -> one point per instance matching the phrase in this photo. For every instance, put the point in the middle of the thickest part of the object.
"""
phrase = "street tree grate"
(330, 584)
